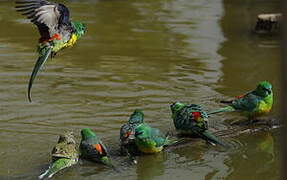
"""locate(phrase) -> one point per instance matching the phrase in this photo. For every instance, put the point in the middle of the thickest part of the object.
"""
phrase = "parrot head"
(67, 138)
(264, 89)
(87, 133)
(177, 106)
(128, 137)
(79, 28)
(136, 117)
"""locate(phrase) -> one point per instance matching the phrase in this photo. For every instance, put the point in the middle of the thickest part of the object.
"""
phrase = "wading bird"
(192, 120)
(64, 155)
(93, 149)
(253, 104)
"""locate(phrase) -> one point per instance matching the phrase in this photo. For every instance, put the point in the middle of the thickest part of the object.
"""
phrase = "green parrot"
(253, 104)
(64, 155)
(92, 148)
(127, 134)
(150, 140)
(56, 30)
(192, 120)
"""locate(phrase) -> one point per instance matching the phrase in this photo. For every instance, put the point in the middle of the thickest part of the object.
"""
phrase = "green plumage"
(56, 30)
(150, 140)
(92, 148)
(253, 104)
(64, 155)
(127, 132)
(192, 120)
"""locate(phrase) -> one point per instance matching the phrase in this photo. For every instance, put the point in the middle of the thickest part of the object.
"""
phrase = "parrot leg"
(53, 54)
(131, 157)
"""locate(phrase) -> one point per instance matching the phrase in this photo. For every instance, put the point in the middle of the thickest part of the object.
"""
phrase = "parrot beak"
(269, 91)
(172, 106)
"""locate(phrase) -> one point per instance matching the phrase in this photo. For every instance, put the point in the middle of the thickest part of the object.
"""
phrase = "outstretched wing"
(48, 17)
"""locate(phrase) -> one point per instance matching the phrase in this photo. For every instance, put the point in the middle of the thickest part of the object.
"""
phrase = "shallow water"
(138, 54)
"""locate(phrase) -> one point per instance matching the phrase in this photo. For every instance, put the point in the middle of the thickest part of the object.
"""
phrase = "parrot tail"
(168, 141)
(44, 55)
(212, 139)
(57, 166)
(225, 109)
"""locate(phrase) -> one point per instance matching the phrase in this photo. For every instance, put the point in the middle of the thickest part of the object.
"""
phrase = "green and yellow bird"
(150, 140)
(64, 155)
(56, 30)
(93, 149)
(127, 134)
(253, 104)
(190, 119)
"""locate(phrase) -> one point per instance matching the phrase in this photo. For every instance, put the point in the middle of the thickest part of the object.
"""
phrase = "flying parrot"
(127, 134)
(253, 104)
(56, 30)
(64, 155)
(92, 148)
(150, 140)
(192, 120)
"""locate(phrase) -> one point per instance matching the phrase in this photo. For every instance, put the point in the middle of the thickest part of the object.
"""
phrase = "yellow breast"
(71, 41)
(150, 150)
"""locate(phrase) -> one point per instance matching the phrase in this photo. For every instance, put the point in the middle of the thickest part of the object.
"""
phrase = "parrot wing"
(46, 15)
(246, 103)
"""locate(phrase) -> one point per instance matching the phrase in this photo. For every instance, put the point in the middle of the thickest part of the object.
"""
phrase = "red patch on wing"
(98, 148)
(55, 36)
(238, 97)
(196, 115)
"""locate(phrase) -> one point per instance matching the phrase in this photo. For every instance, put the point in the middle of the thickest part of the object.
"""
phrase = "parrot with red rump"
(192, 120)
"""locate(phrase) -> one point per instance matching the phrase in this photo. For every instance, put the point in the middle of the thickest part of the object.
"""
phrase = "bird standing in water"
(192, 120)
(56, 30)
(64, 155)
(92, 148)
(127, 134)
(150, 140)
(253, 104)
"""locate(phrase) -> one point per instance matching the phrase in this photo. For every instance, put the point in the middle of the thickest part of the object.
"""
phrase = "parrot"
(127, 134)
(192, 120)
(252, 104)
(56, 30)
(92, 148)
(64, 155)
(150, 140)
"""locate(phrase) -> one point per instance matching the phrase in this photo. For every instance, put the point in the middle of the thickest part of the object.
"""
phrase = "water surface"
(138, 54)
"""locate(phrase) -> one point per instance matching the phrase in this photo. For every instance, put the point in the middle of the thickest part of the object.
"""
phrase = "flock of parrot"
(136, 136)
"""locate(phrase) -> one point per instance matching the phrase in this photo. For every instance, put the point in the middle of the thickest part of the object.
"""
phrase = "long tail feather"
(225, 109)
(56, 167)
(212, 138)
(168, 141)
(44, 55)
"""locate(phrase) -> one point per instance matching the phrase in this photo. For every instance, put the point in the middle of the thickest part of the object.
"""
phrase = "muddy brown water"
(139, 54)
